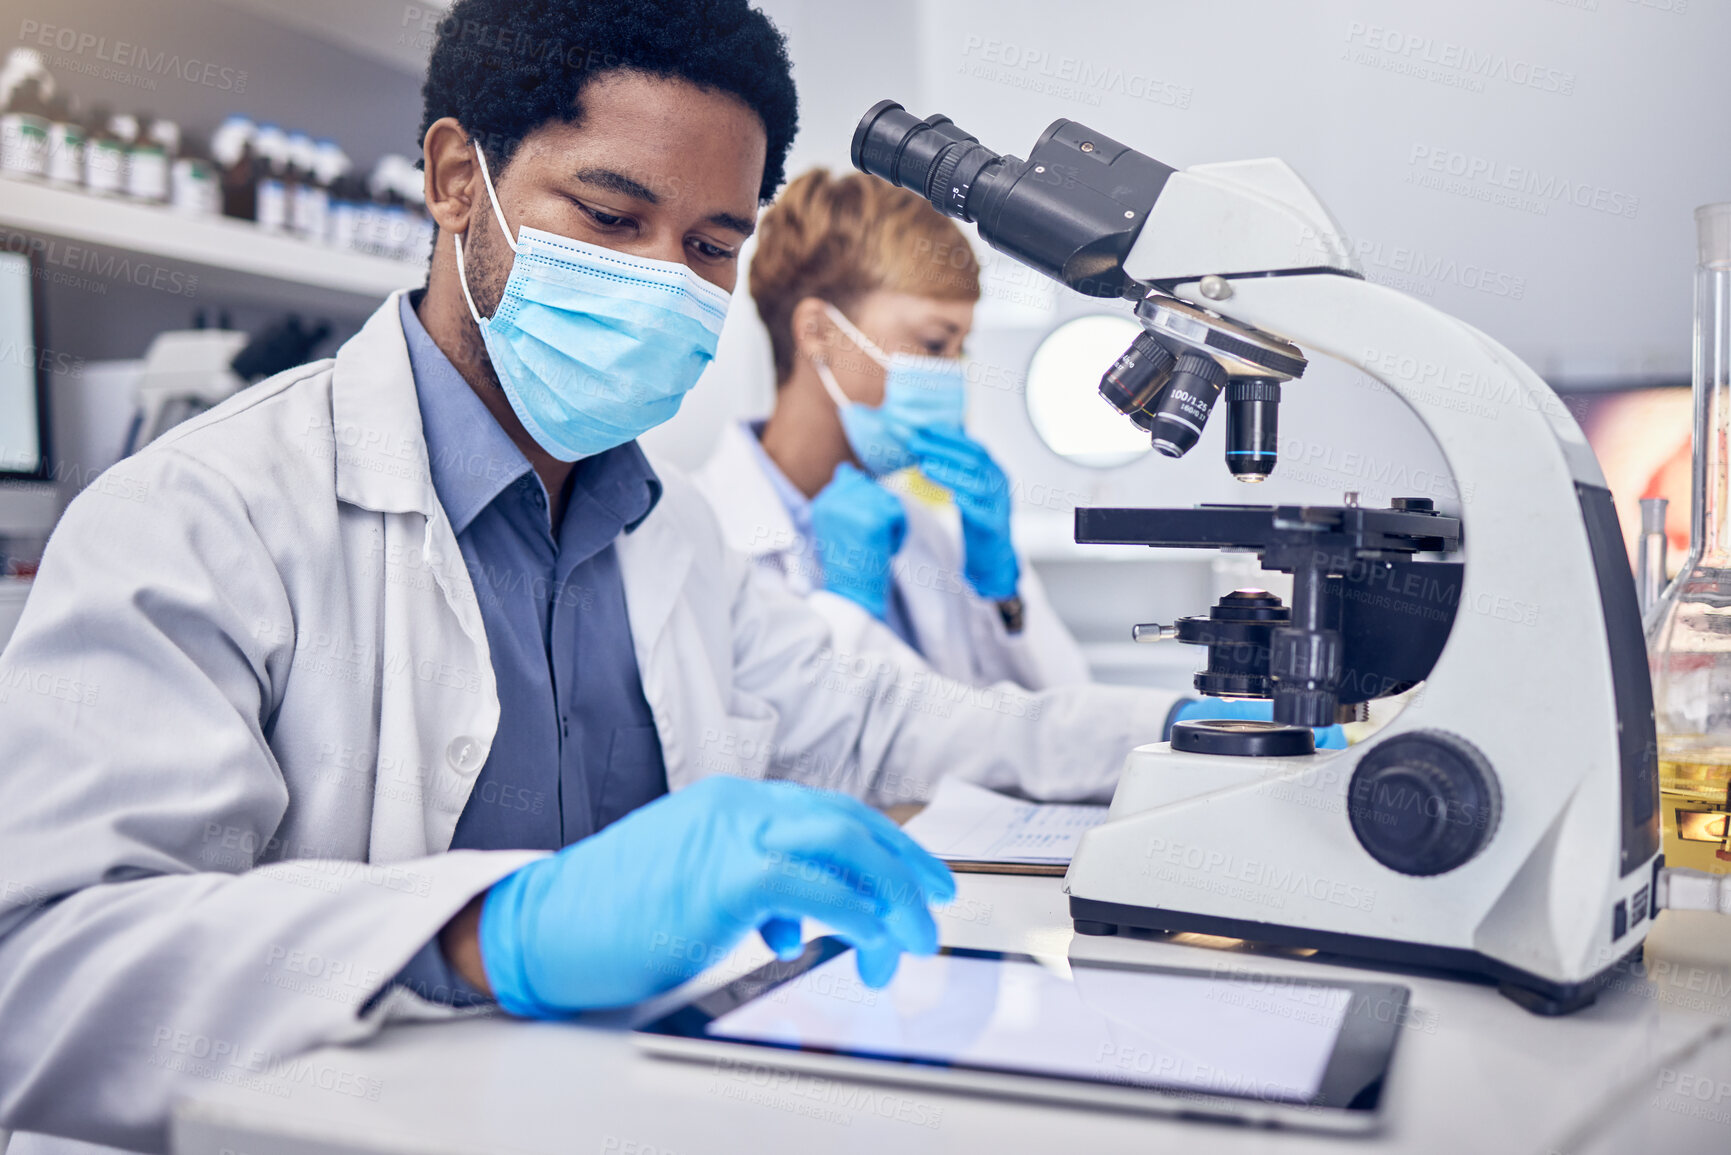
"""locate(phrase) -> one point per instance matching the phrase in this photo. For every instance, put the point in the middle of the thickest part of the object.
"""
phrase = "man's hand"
(669, 889)
(460, 943)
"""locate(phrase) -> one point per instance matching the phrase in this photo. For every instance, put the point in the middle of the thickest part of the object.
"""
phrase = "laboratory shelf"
(246, 258)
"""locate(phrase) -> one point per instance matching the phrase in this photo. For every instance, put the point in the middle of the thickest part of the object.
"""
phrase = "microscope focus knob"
(1424, 803)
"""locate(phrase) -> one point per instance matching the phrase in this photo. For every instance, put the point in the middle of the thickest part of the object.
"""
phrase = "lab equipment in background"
(106, 149)
(1642, 437)
(325, 162)
(284, 182)
(382, 226)
(150, 160)
(1438, 840)
(275, 184)
(185, 373)
(1689, 631)
(25, 89)
(303, 192)
(350, 205)
(385, 214)
(24, 376)
(28, 502)
(231, 146)
(281, 345)
(188, 371)
(93, 416)
(394, 221)
(65, 165)
(194, 187)
(1650, 572)
(14, 590)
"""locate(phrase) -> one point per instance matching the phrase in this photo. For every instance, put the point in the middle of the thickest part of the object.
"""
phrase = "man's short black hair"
(504, 68)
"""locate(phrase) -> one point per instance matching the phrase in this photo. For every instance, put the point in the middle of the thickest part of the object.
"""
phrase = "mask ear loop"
(867, 346)
(831, 385)
(457, 240)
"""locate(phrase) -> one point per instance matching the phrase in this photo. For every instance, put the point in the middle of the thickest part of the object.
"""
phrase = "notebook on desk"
(975, 829)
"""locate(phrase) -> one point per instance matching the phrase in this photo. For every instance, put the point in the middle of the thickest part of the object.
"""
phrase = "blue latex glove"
(1253, 709)
(669, 889)
(982, 492)
(859, 526)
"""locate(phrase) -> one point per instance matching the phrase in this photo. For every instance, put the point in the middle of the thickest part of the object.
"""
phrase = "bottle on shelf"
(397, 190)
(386, 204)
(307, 197)
(106, 149)
(237, 163)
(25, 88)
(274, 181)
(149, 160)
(195, 187)
(65, 164)
(1689, 629)
(349, 211)
(329, 164)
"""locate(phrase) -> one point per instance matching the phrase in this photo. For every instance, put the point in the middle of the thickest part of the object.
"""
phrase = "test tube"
(1650, 557)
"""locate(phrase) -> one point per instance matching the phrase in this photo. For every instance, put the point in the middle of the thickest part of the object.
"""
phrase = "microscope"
(1504, 823)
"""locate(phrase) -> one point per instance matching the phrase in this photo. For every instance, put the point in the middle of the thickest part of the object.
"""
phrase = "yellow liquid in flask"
(1695, 815)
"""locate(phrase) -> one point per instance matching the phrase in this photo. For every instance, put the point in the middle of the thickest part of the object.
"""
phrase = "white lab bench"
(1472, 1073)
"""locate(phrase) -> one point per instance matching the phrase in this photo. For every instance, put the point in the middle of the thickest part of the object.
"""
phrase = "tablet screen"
(1267, 1040)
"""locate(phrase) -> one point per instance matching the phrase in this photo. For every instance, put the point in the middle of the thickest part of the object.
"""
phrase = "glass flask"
(1689, 629)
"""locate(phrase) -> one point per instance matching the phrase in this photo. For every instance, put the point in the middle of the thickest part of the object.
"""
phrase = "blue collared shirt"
(576, 747)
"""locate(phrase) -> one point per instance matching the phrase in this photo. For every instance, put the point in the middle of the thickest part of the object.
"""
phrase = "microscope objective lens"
(1252, 427)
(1182, 408)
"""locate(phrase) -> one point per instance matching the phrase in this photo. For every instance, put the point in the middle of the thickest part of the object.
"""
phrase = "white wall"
(1611, 103)
(1315, 83)
(1618, 112)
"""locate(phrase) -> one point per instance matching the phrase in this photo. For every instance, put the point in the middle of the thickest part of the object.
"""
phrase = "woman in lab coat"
(868, 294)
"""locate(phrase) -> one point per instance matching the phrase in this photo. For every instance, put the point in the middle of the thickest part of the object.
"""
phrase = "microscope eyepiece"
(1072, 210)
(1252, 427)
(1182, 408)
(932, 157)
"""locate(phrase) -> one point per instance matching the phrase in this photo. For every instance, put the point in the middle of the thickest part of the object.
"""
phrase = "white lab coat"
(961, 634)
(247, 701)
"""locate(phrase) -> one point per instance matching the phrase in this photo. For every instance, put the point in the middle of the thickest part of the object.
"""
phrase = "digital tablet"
(1271, 1049)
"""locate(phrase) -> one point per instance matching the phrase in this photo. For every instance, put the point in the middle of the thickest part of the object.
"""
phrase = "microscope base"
(1535, 993)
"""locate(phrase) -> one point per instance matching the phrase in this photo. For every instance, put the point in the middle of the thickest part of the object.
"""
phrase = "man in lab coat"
(391, 661)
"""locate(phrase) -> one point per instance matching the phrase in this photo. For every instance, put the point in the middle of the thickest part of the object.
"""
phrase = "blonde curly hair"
(839, 238)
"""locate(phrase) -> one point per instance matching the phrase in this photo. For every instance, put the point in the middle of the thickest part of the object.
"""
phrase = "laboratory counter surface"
(1647, 1068)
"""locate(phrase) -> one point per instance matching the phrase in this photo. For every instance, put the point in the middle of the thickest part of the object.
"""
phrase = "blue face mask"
(594, 347)
(919, 393)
